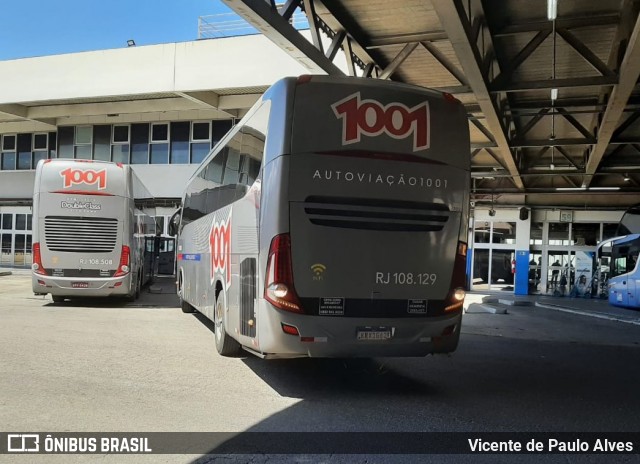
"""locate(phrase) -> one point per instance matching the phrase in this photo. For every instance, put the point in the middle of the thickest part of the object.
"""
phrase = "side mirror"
(174, 222)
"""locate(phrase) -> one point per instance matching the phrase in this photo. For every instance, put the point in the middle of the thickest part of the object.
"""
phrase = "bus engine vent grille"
(80, 234)
(376, 214)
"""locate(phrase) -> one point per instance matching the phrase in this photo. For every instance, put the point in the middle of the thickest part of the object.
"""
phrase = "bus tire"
(57, 298)
(225, 345)
(186, 307)
(135, 291)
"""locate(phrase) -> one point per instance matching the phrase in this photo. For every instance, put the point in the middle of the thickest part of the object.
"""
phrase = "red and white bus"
(92, 233)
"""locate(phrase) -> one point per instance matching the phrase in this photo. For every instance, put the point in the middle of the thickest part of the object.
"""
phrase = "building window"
(201, 131)
(40, 142)
(585, 234)
(120, 134)
(199, 152)
(8, 160)
(82, 142)
(159, 153)
(159, 147)
(536, 234)
(609, 230)
(120, 144)
(40, 148)
(65, 142)
(7, 221)
(200, 141)
(21, 221)
(102, 142)
(140, 143)
(83, 135)
(159, 132)
(504, 232)
(559, 233)
(179, 142)
(8, 143)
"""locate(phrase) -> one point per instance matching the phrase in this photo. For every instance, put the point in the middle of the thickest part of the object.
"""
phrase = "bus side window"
(232, 168)
(215, 169)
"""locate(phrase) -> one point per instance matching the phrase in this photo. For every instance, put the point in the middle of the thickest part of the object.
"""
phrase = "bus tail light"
(290, 329)
(279, 289)
(37, 266)
(455, 299)
(123, 268)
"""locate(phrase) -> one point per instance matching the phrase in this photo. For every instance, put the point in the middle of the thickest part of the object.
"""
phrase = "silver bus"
(92, 233)
(331, 221)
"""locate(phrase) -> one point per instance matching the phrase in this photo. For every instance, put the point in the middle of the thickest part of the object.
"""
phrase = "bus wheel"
(186, 307)
(135, 292)
(138, 286)
(57, 298)
(225, 345)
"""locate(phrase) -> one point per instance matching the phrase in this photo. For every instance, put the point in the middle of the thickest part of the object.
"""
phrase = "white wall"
(235, 62)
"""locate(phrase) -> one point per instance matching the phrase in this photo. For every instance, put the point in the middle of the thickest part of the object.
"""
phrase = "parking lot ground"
(109, 367)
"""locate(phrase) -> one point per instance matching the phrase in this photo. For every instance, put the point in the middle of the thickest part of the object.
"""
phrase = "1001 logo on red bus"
(84, 176)
(372, 118)
(220, 248)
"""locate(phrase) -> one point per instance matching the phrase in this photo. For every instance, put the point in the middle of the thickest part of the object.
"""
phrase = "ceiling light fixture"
(552, 9)
(554, 91)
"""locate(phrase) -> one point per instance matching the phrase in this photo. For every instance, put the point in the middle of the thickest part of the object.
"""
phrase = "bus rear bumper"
(338, 336)
(81, 287)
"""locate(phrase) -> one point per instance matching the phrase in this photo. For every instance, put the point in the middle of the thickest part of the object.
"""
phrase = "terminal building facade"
(162, 108)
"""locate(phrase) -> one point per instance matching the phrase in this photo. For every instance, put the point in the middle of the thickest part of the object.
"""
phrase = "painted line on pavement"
(590, 314)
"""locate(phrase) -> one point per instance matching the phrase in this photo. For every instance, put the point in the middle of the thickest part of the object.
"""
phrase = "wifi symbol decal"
(318, 269)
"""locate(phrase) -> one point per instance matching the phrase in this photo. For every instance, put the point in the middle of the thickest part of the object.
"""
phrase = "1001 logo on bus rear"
(372, 118)
(84, 176)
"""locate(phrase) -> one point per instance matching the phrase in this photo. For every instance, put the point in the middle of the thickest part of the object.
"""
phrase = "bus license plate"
(373, 333)
(79, 284)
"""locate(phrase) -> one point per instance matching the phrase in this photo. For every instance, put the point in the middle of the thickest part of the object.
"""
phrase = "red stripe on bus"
(83, 192)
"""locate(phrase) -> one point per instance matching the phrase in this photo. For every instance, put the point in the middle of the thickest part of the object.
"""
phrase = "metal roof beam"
(484, 130)
(566, 156)
(398, 60)
(533, 121)
(457, 26)
(507, 72)
(555, 83)
(400, 39)
(269, 22)
(537, 156)
(574, 122)
(565, 23)
(564, 103)
(445, 62)
(553, 142)
(585, 52)
(629, 73)
(626, 124)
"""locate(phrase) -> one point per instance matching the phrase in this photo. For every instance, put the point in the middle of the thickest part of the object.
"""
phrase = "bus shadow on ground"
(312, 377)
(160, 294)
(298, 378)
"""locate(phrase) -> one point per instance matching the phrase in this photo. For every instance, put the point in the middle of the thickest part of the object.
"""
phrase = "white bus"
(331, 221)
(92, 234)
